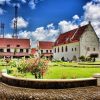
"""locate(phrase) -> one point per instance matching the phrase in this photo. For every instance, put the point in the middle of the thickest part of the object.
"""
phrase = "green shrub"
(82, 58)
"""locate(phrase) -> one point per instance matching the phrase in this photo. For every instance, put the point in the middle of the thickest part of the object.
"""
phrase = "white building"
(81, 41)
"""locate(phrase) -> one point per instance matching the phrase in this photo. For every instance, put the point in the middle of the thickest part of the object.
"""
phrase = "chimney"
(89, 22)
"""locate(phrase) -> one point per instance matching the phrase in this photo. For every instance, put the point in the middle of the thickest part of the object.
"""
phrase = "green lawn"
(58, 70)
(62, 70)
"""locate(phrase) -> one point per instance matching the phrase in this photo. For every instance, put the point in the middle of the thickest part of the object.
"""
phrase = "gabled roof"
(13, 42)
(70, 36)
(45, 44)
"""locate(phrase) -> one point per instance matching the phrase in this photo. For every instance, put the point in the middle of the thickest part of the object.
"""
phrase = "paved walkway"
(16, 93)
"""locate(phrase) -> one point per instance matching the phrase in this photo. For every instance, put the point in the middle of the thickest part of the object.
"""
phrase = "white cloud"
(21, 23)
(8, 35)
(65, 26)
(75, 17)
(96, 0)
(24, 1)
(40, 33)
(32, 4)
(92, 13)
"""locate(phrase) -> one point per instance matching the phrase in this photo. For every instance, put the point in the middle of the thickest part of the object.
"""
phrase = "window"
(50, 51)
(46, 51)
(58, 49)
(8, 45)
(41, 51)
(27, 50)
(18, 45)
(21, 50)
(62, 49)
(93, 49)
(88, 49)
(55, 50)
(8, 50)
(72, 49)
(1, 50)
(75, 49)
(66, 49)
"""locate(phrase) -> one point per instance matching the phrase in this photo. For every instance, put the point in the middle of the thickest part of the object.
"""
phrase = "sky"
(41, 20)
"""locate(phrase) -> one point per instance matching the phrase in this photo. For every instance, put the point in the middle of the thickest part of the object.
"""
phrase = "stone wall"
(89, 40)
(48, 83)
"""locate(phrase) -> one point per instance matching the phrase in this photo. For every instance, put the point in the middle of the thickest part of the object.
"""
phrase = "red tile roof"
(23, 43)
(70, 36)
(45, 44)
(33, 50)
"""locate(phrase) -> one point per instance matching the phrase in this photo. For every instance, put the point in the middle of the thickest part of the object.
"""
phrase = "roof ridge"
(75, 33)
(74, 29)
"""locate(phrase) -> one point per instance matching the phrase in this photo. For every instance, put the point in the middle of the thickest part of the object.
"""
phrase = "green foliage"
(13, 63)
(88, 59)
(35, 66)
(93, 56)
(82, 58)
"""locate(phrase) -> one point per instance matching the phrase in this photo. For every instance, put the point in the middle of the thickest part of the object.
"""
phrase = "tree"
(93, 56)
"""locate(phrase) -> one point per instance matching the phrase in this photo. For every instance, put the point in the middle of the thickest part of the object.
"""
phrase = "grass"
(62, 70)
(70, 72)
(58, 70)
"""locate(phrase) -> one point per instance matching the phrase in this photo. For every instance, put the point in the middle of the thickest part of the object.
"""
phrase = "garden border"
(48, 83)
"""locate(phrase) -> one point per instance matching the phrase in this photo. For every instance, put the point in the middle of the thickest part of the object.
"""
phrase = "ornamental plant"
(36, 66)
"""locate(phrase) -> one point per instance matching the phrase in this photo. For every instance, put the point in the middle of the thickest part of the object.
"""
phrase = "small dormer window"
(8, 45)
(18, 45)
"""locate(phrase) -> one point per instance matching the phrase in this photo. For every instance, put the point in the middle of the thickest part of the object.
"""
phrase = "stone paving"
(16, 93)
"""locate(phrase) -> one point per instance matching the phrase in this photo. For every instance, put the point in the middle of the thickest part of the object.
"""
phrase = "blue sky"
(48, 18)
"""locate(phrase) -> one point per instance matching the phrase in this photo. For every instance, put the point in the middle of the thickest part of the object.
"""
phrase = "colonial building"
(14, 47)
(45, 49)
(81, 41)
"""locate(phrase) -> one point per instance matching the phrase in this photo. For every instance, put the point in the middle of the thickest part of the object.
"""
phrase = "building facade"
(14, 47)
(45, 49)
(34, 52)
(81, 41)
